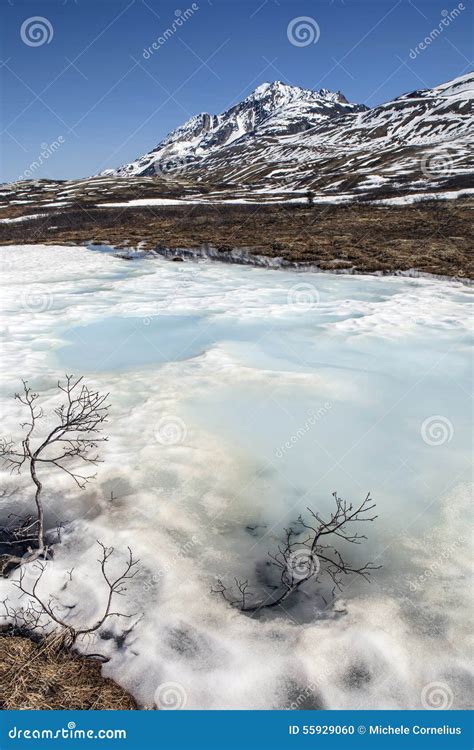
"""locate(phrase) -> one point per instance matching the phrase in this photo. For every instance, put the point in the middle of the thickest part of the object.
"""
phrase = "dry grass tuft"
(39, 676)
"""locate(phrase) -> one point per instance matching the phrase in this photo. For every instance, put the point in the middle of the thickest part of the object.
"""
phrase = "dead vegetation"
(40, 612)
(38, 666)
(308, 553)
(73, 439)
(431, 237)
(39, 675)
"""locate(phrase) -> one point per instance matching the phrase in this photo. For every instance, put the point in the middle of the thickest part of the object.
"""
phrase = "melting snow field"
(240, 396)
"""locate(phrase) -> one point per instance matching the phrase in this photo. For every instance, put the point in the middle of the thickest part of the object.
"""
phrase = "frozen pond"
(240, 396)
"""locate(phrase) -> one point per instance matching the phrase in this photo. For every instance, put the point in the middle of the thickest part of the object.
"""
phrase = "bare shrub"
(40, 613)
(72, 441)
(308, 553)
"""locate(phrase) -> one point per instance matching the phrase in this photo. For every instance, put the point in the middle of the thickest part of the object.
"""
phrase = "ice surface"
(285, 387)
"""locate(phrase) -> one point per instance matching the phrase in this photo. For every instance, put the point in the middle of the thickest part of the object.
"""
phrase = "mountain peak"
(271, 87)
(275, 94)
(287, 138)
(272, 109)
(286, 92)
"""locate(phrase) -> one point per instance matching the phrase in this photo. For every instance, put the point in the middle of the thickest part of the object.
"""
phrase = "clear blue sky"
(92, 86)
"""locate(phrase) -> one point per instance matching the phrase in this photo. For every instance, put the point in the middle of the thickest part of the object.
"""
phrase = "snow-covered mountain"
(272, 109)
(285, 139)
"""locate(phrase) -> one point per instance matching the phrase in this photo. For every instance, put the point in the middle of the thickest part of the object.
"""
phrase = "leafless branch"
(73, 439)
(39, 612)
(308, 552)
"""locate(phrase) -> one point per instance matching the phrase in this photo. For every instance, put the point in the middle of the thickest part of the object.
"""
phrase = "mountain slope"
(275, 108)
(287, 140)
